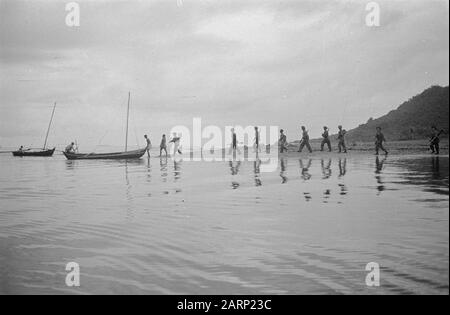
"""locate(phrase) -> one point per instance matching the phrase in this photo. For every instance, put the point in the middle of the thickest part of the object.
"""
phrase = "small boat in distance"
(126, 155)
(44, 152)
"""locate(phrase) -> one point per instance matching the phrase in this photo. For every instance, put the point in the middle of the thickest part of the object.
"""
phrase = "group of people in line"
(342, 147)
(284, 144)
(176, 139)
(379, 140)
(305, 141)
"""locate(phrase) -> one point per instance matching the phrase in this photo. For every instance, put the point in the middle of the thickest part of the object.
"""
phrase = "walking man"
(434, 140)
(176, 143)
(341, 140)
(149, 145)
(257, 139)
(379, 139)
(305, 141)
(233, 140)
(163, 145)
(283, 142)
(326, 139)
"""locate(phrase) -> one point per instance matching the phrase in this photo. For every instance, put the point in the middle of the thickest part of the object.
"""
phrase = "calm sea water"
(158, 226)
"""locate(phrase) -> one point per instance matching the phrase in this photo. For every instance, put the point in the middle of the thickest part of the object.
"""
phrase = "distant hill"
(411, 120)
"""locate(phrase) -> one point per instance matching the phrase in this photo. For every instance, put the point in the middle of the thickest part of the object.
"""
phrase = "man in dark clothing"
(257, 135)
(163, 145)
(326, 139)
(305, 141)
(234, 139)
(341, 140)
(379, 139)
(283, 142)
(434, 140)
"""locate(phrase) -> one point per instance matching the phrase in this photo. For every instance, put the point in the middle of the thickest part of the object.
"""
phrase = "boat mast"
(128, 117)
(49, 125)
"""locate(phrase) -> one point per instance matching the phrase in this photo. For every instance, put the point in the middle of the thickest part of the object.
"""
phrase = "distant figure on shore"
(326, 139)
(434, 140)
(257, 138)
(341, 140)
(176, 141)
(283, 142)
(70, 148)
(149, 144)
(233, 140)
(305, 141)
(379, 140)
(163, 145)
(21, 148)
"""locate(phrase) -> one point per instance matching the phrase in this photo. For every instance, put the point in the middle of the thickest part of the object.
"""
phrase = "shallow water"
(154, 226)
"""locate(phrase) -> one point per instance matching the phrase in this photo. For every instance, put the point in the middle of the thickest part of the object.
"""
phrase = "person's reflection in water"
(257, 170)
(283, 167)
(177, 170)
(127, 181)
(342, 167)
(342, 172)
(163, 168)
(379, 164)
(326, 169)
(128, 193)
(305, 169)
(306, 176)
(344, 190)
(307, 196)
(435, 168)
(234, 169)
(149, 170)
(326, 195)
(70, 165)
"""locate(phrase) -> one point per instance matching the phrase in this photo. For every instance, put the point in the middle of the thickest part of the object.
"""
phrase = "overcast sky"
(230, 62)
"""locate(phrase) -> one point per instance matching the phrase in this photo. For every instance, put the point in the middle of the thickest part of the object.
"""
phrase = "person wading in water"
(283, 142)
(149, 144)
(326, 139)
(163, 145)
(305, 141)
(434, 140)
(379, 139)
(341, 140)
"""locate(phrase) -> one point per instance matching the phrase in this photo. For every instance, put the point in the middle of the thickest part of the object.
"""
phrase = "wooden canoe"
(44, 153)
(130, 155)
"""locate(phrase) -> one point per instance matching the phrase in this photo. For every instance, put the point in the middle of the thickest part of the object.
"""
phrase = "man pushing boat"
(149, 145)
(70, 148)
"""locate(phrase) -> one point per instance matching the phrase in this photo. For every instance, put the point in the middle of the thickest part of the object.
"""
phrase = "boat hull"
(43, 153)
(106, 156)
